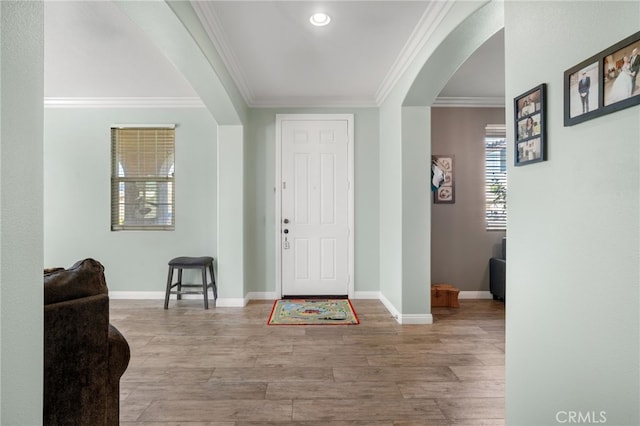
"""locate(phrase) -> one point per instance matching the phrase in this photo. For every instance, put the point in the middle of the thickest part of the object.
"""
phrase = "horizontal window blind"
(495, 177)
(142, 178)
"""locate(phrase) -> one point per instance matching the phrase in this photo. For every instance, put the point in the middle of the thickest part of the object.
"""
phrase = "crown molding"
(123, 102)
(468, 102)
(212, 25)
(431, 18)
(314, 102)
(194, 102)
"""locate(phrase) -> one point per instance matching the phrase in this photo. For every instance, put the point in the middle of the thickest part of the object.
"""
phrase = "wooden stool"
(444, 295)
(180, 263)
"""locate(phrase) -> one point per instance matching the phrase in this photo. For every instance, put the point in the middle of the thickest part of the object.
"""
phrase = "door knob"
(286, 231)
(286, 221)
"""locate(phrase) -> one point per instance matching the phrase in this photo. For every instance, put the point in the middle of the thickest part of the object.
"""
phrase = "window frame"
(152, 150)
(495, 187)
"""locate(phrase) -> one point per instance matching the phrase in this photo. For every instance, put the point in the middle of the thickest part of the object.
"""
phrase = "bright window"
(495, 171)
(142, 178)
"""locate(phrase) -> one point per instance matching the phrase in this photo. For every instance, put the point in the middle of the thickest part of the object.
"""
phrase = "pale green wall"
(573, 271)
(416, 214)
(390, 187)
(176, 30)
(77, 170)
(260, 175)
(21, 314)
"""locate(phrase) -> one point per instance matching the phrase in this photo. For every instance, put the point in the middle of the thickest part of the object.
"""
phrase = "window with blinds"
(495, 172)
(142, 178)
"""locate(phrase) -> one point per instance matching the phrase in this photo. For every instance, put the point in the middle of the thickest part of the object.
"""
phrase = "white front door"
(315, 191)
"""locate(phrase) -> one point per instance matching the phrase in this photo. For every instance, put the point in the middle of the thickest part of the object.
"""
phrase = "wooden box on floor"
(444, 295)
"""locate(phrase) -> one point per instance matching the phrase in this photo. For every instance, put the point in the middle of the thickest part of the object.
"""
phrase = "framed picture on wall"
(604, 83)
(582, 92)
(445, 193)
(621, 66)
(530, 126)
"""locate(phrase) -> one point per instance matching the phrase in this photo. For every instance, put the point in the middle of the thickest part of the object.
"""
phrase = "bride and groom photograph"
(604, 83)
(621, 72)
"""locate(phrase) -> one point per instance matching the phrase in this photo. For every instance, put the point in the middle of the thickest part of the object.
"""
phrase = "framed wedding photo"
(530, 126)
(605, 83)
(621, 66)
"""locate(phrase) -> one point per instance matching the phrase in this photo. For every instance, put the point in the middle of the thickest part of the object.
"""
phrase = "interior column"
(416, 215)
(230, 259)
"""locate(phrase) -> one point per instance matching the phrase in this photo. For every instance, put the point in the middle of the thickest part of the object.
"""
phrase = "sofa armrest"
(119, 355)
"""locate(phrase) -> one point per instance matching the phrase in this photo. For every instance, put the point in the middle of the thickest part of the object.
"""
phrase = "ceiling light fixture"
(320, 19)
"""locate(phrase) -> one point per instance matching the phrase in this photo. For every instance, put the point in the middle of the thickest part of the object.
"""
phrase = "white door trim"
(278, 191)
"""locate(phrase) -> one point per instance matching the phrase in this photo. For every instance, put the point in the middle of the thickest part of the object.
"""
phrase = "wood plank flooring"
(227, 367)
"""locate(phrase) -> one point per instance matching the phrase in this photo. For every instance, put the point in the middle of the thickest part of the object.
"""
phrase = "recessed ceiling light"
(320, 19)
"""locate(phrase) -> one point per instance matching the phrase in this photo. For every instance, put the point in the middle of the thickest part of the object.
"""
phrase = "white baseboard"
(392, 309)
(405, 318)
(416, 319)
(241, 302)
(231, 302)
(261, 295)
(140, 295)
(159, 295)
(475, 295)
(375, 295)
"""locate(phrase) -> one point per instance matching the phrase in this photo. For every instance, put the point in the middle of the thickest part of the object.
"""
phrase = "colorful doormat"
(313, 312)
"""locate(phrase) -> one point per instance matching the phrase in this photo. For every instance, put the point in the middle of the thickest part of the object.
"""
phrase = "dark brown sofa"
(84, 355)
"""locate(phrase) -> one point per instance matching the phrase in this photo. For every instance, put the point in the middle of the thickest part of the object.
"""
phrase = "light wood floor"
(225, 366)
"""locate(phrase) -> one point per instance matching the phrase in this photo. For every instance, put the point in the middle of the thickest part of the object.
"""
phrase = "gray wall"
(460, 244)
(77, 170)
(573, 325)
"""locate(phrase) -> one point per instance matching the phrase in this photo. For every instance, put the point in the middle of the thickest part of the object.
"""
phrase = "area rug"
(313, 312)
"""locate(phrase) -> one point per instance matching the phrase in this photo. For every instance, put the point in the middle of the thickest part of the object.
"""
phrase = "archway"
(405, 133)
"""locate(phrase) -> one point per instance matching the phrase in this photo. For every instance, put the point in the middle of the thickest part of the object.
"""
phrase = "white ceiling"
(92, 49)
(275, 56)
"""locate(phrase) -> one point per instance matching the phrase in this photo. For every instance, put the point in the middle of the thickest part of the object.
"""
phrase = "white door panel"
(315, 201)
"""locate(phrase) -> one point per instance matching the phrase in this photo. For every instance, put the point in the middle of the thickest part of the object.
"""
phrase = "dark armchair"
(497, 273)
(84, 355)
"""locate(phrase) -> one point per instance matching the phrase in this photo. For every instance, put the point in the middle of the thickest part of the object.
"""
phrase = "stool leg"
(205, 293)
(169, 282)
(213, 282)
(179, 284)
